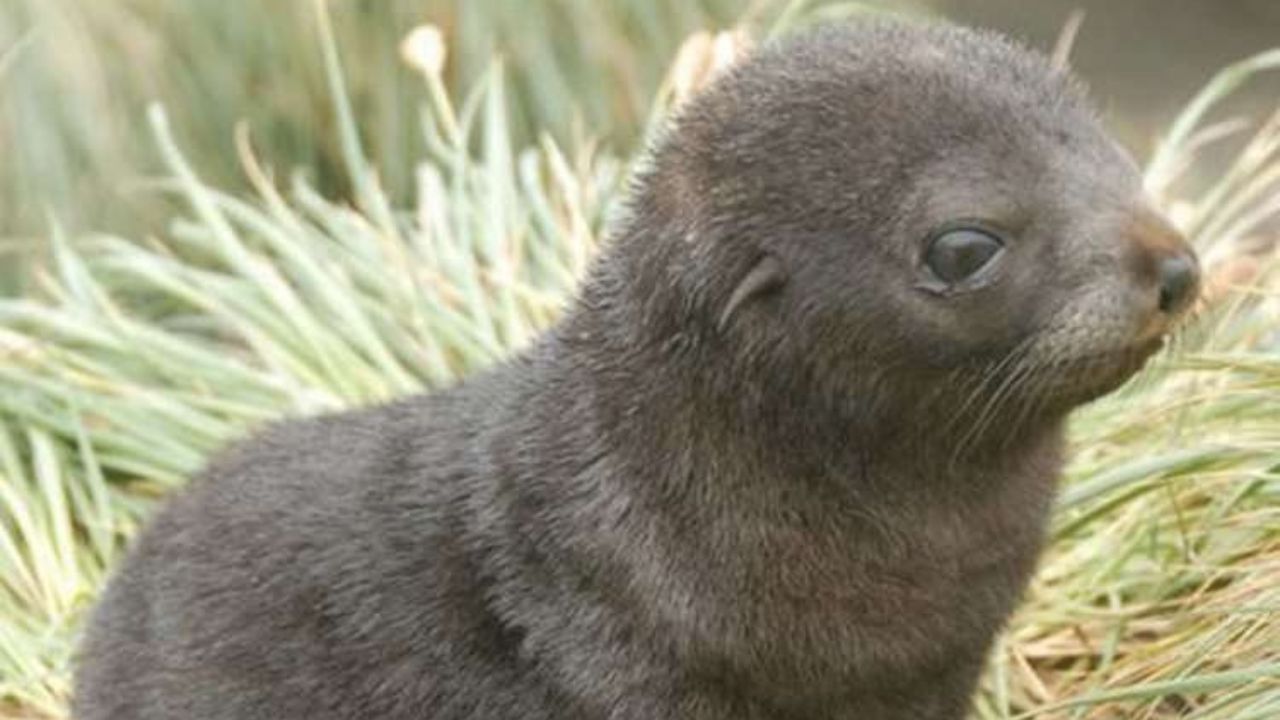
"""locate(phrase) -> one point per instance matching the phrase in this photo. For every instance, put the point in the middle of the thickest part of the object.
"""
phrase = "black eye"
(959, 254)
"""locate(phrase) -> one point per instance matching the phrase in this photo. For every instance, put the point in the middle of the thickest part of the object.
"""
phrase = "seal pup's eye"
(958, 254)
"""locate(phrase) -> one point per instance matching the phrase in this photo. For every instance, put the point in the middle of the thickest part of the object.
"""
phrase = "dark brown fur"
(764, 468)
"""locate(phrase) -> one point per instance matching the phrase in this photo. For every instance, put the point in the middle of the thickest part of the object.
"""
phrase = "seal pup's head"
(922, 211)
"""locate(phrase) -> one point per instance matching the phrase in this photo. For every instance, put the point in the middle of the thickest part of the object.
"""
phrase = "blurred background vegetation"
(278, 236)
(78, 74)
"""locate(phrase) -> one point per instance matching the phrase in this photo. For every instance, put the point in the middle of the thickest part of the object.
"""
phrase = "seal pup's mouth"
(1047, 378)
(1088, 376)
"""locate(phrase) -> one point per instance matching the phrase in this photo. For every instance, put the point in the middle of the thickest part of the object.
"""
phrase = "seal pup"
(789, 455)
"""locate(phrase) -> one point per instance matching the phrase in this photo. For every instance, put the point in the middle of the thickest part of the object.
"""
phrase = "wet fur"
(804, 500)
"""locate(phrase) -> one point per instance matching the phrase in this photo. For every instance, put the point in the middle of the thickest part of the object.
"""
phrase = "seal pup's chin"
(1078, 379)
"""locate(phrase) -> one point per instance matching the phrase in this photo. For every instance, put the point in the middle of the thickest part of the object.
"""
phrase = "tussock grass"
(75, 77)
(133, 358)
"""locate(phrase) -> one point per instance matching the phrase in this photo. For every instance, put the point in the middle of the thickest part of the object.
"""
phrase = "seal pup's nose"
(1164, 264)
(1179, 282)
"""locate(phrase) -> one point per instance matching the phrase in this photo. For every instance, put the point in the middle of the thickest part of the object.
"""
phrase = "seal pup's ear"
(765, 276)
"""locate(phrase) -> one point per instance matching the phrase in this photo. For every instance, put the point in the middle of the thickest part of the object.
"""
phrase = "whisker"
(1035, 398)
(990, 371)
(991, 409)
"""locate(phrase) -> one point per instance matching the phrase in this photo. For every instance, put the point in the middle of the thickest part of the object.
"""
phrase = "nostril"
(1179, 277)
